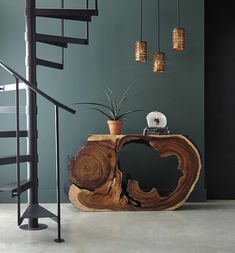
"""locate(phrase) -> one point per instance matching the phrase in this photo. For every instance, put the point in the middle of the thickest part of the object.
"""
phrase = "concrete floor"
(195, 228)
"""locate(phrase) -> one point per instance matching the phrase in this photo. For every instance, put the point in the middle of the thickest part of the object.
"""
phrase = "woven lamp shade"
(141, 51)
(158, 62)
(178, 39)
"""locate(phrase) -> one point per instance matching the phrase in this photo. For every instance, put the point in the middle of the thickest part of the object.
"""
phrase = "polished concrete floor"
(195, 228)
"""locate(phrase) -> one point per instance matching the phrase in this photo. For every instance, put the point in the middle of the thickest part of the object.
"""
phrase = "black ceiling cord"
(141, 20)
(62, 31)
(158, 24)
(178, 13)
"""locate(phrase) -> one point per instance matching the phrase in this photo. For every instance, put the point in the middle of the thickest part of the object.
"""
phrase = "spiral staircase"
(34, 211)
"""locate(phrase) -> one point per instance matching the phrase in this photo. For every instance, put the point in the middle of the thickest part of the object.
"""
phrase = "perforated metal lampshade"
(158, 62)
(178, 39)
(141, 51)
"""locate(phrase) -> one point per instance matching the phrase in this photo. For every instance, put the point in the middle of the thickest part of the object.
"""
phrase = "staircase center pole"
(31, 103)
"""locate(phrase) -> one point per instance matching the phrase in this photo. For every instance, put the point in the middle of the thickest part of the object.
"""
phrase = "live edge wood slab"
(97, 180)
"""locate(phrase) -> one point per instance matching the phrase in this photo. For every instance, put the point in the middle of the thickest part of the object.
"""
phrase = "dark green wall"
(178, 93)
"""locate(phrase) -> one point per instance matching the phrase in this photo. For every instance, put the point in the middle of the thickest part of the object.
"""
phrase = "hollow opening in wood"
(144, 164)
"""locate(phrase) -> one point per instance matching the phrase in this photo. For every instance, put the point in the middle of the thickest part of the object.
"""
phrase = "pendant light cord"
(62, 30)
(62, 20)
(158, 25)
(141, 19)
(178, 13)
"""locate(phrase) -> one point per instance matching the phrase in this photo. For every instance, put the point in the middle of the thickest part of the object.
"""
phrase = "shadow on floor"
(209, 205)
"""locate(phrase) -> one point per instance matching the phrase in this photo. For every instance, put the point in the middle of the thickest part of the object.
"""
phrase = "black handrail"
(35, 89)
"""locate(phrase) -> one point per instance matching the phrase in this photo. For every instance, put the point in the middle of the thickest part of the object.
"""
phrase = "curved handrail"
(35, 89)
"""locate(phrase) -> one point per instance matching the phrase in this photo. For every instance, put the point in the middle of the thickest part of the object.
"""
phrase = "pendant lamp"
(158, 62)
(158, 57)
(178, 34)
(140, 45)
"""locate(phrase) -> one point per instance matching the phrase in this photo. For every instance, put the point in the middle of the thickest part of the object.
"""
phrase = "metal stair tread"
(37, 211)
(41, 38)
(12, 109)
(49, 64)
(72, 14)
(9, 134)
(12, 87)
(12, 187)
(53, 39)
(12, 159)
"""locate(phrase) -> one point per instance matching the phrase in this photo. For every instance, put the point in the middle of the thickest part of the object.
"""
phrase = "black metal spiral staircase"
(34, 211)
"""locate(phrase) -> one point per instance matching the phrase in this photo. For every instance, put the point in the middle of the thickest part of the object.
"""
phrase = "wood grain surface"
(97, 179)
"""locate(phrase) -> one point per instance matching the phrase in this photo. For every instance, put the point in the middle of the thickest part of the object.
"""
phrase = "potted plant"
(113, 110)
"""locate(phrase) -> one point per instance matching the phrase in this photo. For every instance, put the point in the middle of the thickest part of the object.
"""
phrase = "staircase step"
(48, 39)
(12, 87)
(50, 64)
(37, 211)
(59, 40)
(71, 14)
(9, 134)
(12, 159)
(11, 109)
(12, 187)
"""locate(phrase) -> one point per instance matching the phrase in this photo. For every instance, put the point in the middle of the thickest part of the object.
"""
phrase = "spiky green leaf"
(127, 98)
(129, 112)
(91, 103)
(103, 112)
(110, 102)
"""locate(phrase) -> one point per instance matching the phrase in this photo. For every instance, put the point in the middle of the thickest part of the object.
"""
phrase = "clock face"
(156, 119)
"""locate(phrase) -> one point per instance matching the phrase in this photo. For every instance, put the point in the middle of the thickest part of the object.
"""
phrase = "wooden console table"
(97, 180)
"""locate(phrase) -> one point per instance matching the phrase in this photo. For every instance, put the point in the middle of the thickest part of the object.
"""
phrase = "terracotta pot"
(115, 126)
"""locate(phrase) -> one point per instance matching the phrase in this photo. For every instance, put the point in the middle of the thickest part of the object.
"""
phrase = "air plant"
(113, 110)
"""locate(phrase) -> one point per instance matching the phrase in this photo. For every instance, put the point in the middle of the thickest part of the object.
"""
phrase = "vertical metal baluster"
(57, 149)
(18, 151)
